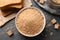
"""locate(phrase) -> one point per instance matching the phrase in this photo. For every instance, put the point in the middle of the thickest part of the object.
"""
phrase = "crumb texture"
(30, 21)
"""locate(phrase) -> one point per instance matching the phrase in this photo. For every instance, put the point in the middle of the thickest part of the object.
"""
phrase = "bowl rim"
(40, 30)
(53, 3)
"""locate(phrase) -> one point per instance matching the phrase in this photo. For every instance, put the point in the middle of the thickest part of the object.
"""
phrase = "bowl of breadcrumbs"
(30, 21)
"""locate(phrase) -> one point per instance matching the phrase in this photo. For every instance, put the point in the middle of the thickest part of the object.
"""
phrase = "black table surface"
(45, 35)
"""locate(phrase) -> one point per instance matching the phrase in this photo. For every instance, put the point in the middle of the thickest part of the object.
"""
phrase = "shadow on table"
(39, 37)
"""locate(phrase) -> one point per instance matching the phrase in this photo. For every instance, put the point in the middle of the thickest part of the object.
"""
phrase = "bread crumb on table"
(41, 1)
(56, 26)
(9, 32)
(51, 33)
(53, 21)
(48, 25)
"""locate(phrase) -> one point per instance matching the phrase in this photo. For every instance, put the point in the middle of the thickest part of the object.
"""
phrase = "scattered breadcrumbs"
(41, 1)
(9, 32)
(48, 25)
(51, 33)
(53, 21)
(56, 26)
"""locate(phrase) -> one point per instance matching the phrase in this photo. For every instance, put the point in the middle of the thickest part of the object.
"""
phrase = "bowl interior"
(43, 24)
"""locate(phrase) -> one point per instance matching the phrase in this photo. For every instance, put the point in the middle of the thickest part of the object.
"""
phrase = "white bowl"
(40, 30)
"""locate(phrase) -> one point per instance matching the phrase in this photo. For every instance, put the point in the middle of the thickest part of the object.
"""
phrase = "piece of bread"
(53, 21)
(5, 14)
(8, 11)
(9, 8)
(17, 6)
(10, 32)
(41, 1)
(56, 26)
(8, 2)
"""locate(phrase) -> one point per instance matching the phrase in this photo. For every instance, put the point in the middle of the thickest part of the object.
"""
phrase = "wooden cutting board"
(4, 20)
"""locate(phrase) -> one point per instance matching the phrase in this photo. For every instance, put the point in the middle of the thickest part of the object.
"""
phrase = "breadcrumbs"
(51, 33)
(56, 26)
(41, 1)
(53, 21)
(9, 32)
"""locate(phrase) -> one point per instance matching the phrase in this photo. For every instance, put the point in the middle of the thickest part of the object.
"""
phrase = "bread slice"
(8, 2)
(17, 6)
(12, 7)
(5, 14)
(8, 11)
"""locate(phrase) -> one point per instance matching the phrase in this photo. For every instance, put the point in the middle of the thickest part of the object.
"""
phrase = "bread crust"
(8, 2)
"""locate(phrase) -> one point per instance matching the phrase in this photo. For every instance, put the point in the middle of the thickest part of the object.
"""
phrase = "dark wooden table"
(45, 35)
